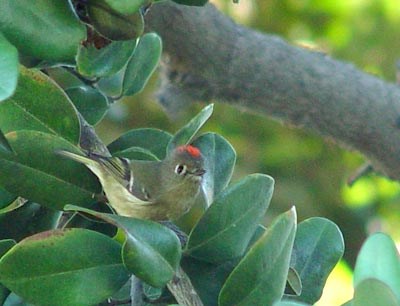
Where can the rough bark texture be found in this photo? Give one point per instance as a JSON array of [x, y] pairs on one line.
[[210, 58]]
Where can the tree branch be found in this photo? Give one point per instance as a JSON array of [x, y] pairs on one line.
[[210, 58]]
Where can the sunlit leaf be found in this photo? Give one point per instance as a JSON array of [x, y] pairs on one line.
[[379, 259], [372, 292]]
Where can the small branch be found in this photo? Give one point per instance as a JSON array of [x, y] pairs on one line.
[[183, 290], [210, 58]]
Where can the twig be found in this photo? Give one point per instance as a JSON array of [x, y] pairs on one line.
[[183, 291]]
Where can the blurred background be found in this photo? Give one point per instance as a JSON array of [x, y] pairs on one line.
[[310, 173]]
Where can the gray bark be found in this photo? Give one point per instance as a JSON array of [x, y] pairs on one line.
[[209, 58]]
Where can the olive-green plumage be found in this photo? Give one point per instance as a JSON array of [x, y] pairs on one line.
[[156, 190]]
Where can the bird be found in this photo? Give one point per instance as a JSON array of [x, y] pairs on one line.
[[153, 190]]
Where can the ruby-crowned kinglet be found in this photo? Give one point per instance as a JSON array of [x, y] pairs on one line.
[[156, 190]]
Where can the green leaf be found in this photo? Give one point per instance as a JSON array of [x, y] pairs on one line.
[[39, 104], [260, 277], [6, 198], [289, 303], [151, 251], [126, 6], [379, 259], [294, 280], [93, 62], [36, 173], [8, 68], [112, 24], [44, 29], [225, 230], [207, 278], [220, 160], [372, 292], [149, 140], [142, 64], [186, 133], [64, 267], [191, 2], [12, 206], [112, 86], [317, 249], [5, 245], [4, 145], [15, 300], [64, 78], [29, 219], [90, 102]]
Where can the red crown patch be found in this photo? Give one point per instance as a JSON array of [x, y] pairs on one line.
[[191, 150]]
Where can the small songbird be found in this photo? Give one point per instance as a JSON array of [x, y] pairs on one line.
[[155, 190]]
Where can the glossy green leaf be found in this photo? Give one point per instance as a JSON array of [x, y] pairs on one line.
[[379, 259], [289, 303], [64, 267], [225, 230], [6, 198], [112, 24], [149, 140], [191, 2], [220, 160], [4, 145], [186, 134], [372, 292], [112, 86], [151, 251], [15, 300], [44, 29], [5, 245], [260, 277], [17, 203], [207, 278], [8, 68], [317, 249], [64, 77], [39, 104], [27, 220], [126, 6], [90, 102], [36, 173], [142, 64], [294, 281], [93, 62]]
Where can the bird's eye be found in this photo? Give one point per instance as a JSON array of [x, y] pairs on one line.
[[180, 169]]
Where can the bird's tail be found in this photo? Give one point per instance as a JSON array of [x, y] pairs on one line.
[[76, 157]]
